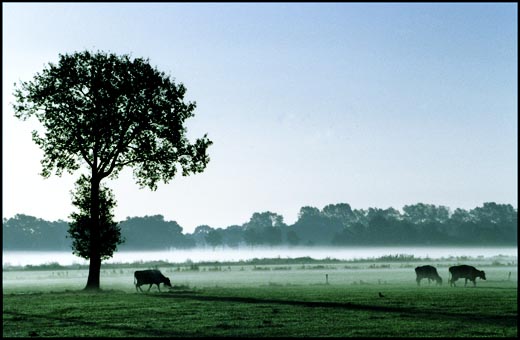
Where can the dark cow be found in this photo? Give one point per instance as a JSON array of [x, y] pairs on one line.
[[427, 272], [151, 277], [465, 272]]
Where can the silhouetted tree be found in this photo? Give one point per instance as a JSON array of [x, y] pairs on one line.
[[341, 213], [79, 227], [343, 237], [200, 233], [457, 226], [422, 213], [24, 232], [359, 233], [251, 237], [233, 236], [214, 238], [152, 232], [264, 228], [292, 238], [492, 222], [107, 112], [377, 226], [313, 227]]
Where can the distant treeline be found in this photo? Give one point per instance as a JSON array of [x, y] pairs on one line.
[[334, 225]]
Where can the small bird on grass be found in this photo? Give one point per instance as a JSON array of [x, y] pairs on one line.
[[381, 295]]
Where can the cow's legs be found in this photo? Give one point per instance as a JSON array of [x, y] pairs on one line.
[[158, 287], [466, 282], [151, 284], [418, 281]]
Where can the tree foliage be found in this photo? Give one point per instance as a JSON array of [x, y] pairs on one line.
[[24, 232], [79, 227], [108, 112], [264, 229], [214, 238], [152, 232]]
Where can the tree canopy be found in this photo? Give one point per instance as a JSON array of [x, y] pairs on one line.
[[106, 112]]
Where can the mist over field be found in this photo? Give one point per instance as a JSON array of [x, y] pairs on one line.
[[34, 258], [253, 170], [266, 297]]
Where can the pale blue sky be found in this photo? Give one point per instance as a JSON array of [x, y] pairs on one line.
[[375, 105]]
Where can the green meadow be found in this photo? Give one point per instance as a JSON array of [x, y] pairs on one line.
[[338, 299]]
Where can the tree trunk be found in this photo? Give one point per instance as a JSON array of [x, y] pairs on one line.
[[94, 270]]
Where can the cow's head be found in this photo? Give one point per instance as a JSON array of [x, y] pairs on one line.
[[439, 281], [482, 275], [167, 282]]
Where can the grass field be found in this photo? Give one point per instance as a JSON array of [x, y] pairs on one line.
[[268, 300]]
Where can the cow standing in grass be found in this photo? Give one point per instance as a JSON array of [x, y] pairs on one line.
[[151, 277], [427, 272], [465, 272]]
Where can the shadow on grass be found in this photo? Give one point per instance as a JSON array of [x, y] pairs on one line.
[[505, 321], [130, 331], [488, 287]]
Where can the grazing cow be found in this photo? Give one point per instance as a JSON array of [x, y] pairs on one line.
[[465, 272], [151, 277], [427, 272]]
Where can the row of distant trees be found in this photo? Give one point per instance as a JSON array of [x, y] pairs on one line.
[[334, 225]]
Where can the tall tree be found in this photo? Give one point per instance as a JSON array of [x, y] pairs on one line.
[[107, 112]]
